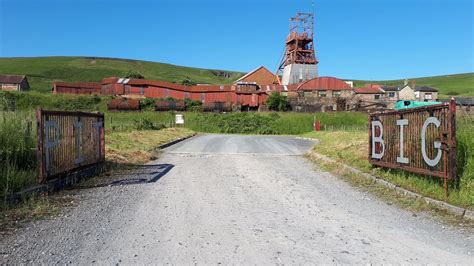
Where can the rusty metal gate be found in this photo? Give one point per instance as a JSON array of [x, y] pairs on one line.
[[68, 142], [420, 140]]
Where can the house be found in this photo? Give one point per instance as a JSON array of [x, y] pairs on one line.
[[14, 83], [370, 93], [391, 95], [325, 87], [261, 76], [322, 94], [406, 93], [426, 94]]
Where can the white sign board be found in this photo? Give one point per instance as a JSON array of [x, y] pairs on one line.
[[179, 119]]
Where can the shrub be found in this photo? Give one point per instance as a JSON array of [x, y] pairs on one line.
[[193, 105], [147, 124], [187, 82], [134, 75], [147, 104], [277, 102]]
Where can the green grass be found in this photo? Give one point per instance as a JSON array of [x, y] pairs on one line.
[[272, 123], [17, 151], [448, 85], [42, 71], [351, 147]]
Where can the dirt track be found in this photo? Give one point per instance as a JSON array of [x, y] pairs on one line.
[[235, 199]]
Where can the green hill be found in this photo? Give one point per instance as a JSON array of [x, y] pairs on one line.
[[42, 71], [448, 85]]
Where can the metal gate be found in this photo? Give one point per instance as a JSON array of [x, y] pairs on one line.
[[420, 140], [68, 142]]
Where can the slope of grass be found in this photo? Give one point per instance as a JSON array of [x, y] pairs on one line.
[[448, 85], [42, 71]]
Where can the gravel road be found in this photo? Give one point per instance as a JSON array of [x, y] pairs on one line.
[[234, 199]]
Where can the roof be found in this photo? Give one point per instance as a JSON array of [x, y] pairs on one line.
[[464, 101], [210, 88], [370, 89], [324, 83], [83, 85], [12, 79], [425, 88], [390, 88], [261, 75]]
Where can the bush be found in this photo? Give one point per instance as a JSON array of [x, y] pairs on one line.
[[33, 100], [187, 82], [244, 123], [147, 104], [134, 75], [147, 124], [193, 105], [277, 102]]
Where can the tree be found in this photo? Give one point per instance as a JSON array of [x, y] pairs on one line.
[[277, 102], [131, 74]]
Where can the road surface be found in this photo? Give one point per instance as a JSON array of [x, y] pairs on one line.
[[234, 199]]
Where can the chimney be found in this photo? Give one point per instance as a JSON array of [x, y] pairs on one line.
[[405, 82], [413, 84]]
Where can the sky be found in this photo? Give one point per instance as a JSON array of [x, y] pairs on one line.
[[354, 39]]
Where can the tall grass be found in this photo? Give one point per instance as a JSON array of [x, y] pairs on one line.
[[465, 154], [27, 101], [17, 151]]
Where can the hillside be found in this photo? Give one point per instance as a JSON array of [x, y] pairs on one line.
[[448, 85], [42, 71]]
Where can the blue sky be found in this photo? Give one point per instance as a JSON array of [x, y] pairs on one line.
[[359, 39]]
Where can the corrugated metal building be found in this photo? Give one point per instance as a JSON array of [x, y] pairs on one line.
[[252, 90]]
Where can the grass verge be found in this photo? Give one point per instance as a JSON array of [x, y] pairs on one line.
[[138, 147]]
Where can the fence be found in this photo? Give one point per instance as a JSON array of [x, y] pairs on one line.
[[420, 140], [68, 142]]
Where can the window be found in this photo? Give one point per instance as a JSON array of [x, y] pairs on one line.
[[142, 90], [336, 93], [307, 94], [428, 96], [322, 93], [284, 93], [377, 96], [391, 94]]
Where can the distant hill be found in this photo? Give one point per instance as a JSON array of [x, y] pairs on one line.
[[448, 85], [42, 71]]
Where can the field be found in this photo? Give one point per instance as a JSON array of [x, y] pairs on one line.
[[42, 71], [448, 85]]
